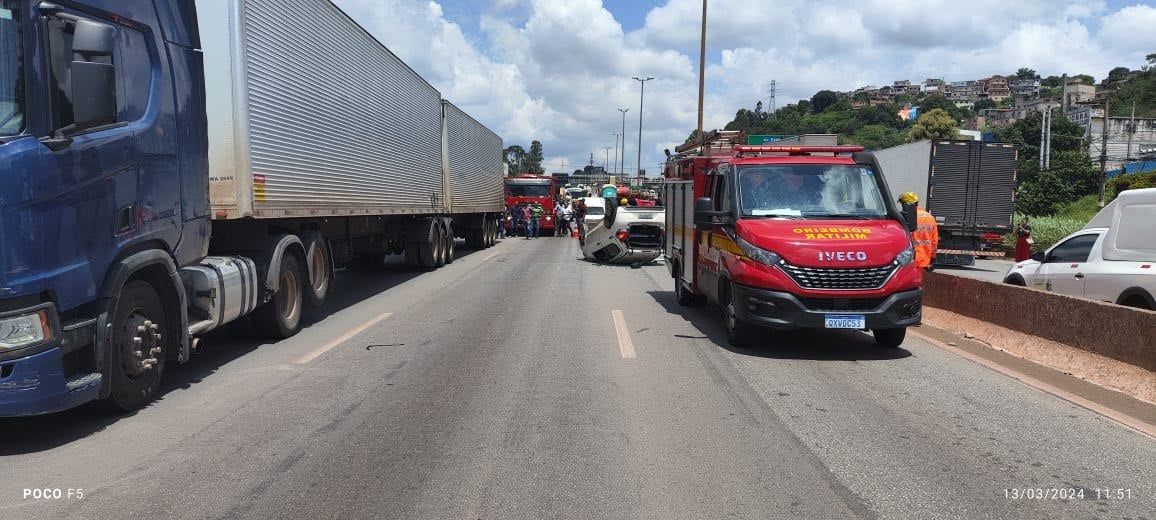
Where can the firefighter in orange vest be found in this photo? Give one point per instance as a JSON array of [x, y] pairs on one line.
[[925, 236]]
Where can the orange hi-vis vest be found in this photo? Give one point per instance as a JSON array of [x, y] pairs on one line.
[[926, 239]]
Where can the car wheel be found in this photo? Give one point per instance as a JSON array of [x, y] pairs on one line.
[[889, 338]]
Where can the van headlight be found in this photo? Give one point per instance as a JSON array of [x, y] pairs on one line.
[[24, 330], [905, 257], [757, 253]]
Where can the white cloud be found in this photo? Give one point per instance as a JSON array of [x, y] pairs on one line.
[[1129, 31], [557, 70]]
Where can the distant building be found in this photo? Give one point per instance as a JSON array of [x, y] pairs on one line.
[[967, 91], [1075, 93], [999, 117], [1127, 139], [995, 88], [1025, 87], [934, 86], [902, 87]]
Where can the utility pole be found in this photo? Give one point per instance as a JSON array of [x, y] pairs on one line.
[[1048, 148], [624, 111], [1103, 154], [772, 89], [1043, 138], [616, 136], [606, 160], [1131, 132], [641, 98]]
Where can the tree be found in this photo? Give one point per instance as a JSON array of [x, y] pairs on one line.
[[1072, 175], [936, 124], [1025, 73], [533, 164], [1051, 81], [877, 137], [1117, 74], [822, 100], [515, 158], [1151, 59], [983, 103], [1085, 79]]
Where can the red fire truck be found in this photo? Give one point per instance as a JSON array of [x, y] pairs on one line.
[[531, 189], [789, 237]]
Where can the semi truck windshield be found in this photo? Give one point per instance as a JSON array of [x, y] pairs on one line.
[[809, 190], [528, 190], [11, 66]]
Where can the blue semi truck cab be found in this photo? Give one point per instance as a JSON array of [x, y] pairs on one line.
[[103, 196], [145, 195]]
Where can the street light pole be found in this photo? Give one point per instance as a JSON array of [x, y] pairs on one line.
[[616, 136], [701, 67], [641, 97], [624, 111], [606, 160]]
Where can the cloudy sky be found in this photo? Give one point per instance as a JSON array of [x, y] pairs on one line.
[[558, 70]]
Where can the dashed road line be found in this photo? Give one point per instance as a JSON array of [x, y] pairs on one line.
[[346, 337], [625, 345]]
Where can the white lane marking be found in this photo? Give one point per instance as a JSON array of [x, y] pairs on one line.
[[346, 337], [491, 256], [625, 346]]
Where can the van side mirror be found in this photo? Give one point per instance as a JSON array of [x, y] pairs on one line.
[[705, 215]]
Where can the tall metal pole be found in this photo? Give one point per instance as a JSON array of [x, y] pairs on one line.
[[701, 69], [1103, 155], [606, 159], [624, 111], [616, 136], [641, 97]]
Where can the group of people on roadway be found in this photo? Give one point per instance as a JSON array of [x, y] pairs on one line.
[[526, 219]]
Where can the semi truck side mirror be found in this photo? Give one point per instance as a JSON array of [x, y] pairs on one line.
[[93, 83]]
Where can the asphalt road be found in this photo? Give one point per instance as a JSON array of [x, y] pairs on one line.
[[989, 269], [501, 387]]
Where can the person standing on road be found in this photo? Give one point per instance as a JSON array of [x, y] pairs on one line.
[[1024, 240], [580, 220], [558, 224], [926, 234], [567, 219], [535, 220], [525, 218]]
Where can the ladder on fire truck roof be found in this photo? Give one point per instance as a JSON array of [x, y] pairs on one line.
[[713, 142]]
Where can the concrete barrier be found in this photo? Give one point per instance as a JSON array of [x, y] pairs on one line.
[[1121, 333]]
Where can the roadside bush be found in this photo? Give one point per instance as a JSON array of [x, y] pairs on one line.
[[1046, 231], [1083, 208], [1133, 181]]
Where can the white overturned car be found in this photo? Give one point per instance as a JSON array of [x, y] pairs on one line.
[[1113, 259], [626, 235]]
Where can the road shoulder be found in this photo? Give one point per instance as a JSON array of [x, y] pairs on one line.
[[1119, 391]]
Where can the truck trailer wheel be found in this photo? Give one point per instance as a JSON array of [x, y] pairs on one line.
[[320, 279], [889, 338], [450, 246], [281, 316], [137, 346], [439, 246]]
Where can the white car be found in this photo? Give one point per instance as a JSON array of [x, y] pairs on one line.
[[625, 235], [595, 210], [1113, 259]]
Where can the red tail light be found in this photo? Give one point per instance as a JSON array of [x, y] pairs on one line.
[[622, 235]]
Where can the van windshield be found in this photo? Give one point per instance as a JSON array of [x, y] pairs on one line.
[[809, 190], [11, 68]]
